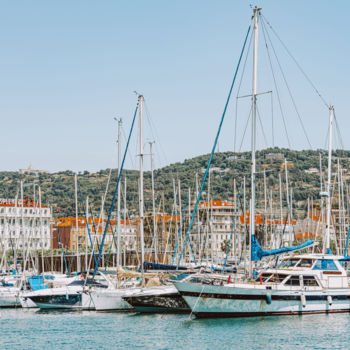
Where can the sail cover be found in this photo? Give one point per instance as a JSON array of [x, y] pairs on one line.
[[258, 253], [153, 266]]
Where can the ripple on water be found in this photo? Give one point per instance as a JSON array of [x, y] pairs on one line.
[[30, 329]]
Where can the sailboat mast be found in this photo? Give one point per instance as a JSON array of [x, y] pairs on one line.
[[155, 236], [141, 190], [255, 73], [328, 213], [41, 234], [118, 206], [76, 221], [86, 233]]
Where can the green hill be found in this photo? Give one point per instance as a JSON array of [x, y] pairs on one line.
[[58, 188]]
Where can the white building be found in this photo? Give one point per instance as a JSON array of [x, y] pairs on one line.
[[24, 225], [216, 220]]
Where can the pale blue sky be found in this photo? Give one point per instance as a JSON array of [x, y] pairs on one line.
[[68, 67]]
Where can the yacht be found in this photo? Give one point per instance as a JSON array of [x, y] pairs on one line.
[[300, 284]]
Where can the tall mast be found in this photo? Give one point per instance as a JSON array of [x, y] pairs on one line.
[[86, 233], [141, 189], [288, 201], [153, 207], [76, 221], [198, 225], [255, 73], [328, 213], [125, 226], [118, 205], [41, 234], [23, 225]]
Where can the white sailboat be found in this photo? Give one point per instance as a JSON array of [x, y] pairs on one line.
[[112, 298], [301, 284]]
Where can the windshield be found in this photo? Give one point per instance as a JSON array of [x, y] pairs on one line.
[[288, 263], [305, 263]]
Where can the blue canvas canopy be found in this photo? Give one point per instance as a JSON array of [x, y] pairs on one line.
[[258, 253]]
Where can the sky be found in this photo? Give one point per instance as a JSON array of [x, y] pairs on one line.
[[68, 68]]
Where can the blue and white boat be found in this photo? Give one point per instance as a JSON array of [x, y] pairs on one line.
[[301, 284]]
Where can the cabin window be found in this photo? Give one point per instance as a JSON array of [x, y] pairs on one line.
[[288, 263], [305, 263], [328, 265], [265, 276], [310, 281], [293, 281], [276, 278]]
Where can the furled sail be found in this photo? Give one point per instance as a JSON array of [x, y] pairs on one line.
[[258, 253]]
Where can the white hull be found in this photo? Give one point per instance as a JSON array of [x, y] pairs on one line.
[[60, 298], [158, 299], [9, 297], [221, 301], [27, 303], [112, 299]]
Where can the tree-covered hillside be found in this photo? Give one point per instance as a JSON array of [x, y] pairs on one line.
[[303, 177]]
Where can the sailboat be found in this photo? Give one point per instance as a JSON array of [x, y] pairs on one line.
[[300, 284], [112, 298]]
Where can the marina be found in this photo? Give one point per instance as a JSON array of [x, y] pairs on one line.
[[241, 248]]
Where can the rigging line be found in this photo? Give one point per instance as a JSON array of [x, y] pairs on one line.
[[87, 221], [338, 130], [262, 128], [115, 193], [233, 231], [235, 134], [159, 149], [288, 88], [239, 89], [214, 147], [244, 65], [153, 128], [129, 156], [326, 138], [275, 83], [272, 122], [245, 129], [296, 62], [60, 241]]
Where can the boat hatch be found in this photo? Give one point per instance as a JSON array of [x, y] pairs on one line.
[[328, 265]]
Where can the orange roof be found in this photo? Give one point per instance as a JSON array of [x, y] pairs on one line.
[[305, 235], [26, 203], [214, 203], [70, 221], [259, 220]]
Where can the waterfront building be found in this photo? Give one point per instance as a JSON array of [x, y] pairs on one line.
[[213, 230], [66, 233], [24, 225]]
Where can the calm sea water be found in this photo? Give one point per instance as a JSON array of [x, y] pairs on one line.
[[30, 329]]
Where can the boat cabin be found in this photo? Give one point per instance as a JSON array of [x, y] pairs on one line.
[[307, 271]]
